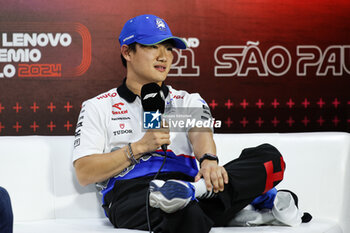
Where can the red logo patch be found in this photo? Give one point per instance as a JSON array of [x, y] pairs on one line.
[[117, 105], [178, 96]]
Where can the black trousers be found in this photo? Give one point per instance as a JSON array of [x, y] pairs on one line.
[[256, 171]]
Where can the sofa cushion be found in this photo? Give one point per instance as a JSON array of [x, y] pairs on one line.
[[103, 225], [37, 172]]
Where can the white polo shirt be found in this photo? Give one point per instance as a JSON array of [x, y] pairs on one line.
[[115, 118]]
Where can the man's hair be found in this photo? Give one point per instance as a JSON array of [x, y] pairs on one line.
[[131, 47]]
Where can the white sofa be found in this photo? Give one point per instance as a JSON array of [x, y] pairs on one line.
[[38, 174]]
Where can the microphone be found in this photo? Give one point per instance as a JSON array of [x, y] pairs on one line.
[[153, 99]]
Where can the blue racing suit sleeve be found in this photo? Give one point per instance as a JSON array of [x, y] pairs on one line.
[[265, 201]]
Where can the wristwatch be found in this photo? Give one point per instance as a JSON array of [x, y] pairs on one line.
[[209, 157]]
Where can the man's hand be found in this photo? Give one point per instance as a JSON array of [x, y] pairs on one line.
[[152, 140], [215, 176]]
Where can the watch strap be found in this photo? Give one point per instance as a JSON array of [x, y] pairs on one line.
[[209, 157]]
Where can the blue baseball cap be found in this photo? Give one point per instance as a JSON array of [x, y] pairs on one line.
[[148, 30]]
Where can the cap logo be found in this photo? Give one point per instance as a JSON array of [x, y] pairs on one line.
[[160, 24]]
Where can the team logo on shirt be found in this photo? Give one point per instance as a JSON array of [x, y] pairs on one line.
[[122, 125], [104, 96], [178, 96], [117, 106], [77, 133], [120, 118], [122, 132], [77, 142]]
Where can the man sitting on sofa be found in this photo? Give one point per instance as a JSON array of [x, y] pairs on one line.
[[112, 149]]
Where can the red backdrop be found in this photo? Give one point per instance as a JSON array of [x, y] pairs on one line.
[[262, 66]]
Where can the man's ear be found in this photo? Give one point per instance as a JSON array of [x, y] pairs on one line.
[[125, 51]]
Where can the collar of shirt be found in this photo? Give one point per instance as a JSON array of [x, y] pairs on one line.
[[129, 96]]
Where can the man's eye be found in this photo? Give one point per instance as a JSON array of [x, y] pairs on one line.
[[154, 46], [170, 49]]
